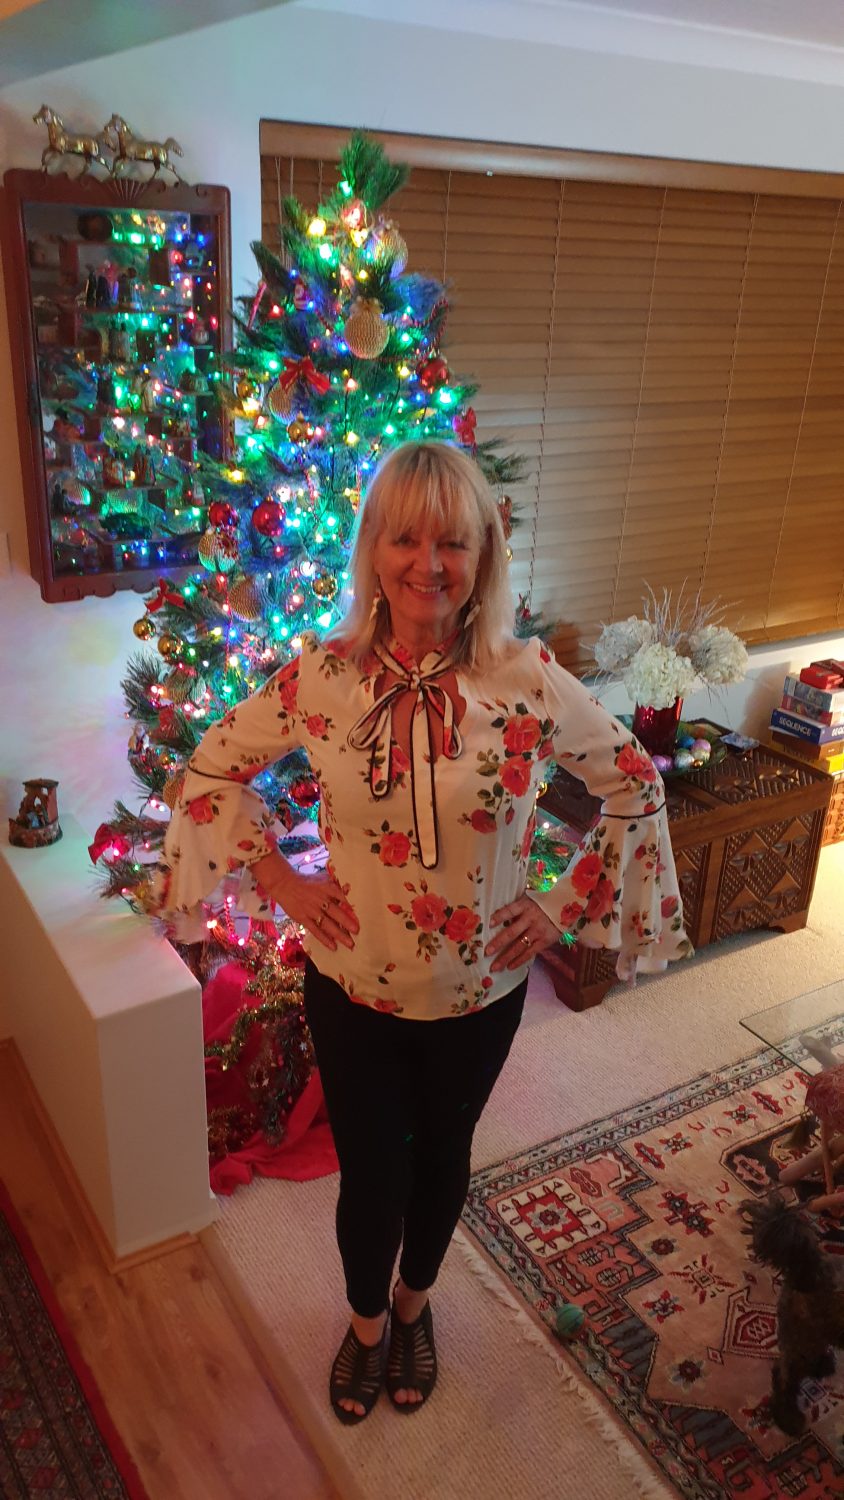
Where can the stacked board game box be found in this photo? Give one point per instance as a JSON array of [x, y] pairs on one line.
[[810, 719]]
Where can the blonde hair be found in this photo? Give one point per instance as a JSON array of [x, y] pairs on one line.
[[418, 483]]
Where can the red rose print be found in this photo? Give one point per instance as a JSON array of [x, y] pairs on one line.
[[633, 764], [316, 726], [201, 810], [544, 655], [522, 732], [669, 905], [509, 815], [482, 821], [396, 910], [394, 849], [586, 873], [385, 1005], [528, 838], [246, 844], [428, 912], [546, 750], [486, 982], [601, 900], [649, 807], [462, 924], [287, 692], [570, 913], [641, 852], [515, 776]]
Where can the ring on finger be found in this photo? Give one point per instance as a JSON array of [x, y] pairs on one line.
[[325, 905], [526, 939], [319, 921]]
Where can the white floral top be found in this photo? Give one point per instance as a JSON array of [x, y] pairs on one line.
[[424, 921]]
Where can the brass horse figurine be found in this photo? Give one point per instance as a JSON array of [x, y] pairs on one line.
[[130, 148], [60, 142]]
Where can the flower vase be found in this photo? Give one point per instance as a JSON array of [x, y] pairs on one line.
[[656, 728]]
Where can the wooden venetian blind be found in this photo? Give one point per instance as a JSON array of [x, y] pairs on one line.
[[663, 341]]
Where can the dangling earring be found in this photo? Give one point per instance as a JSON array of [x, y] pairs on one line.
[[377, 600], [472, 612]]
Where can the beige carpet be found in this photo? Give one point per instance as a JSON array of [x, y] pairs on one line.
[[510, 1417]]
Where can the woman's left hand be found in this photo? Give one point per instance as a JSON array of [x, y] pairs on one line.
[[525, 931]]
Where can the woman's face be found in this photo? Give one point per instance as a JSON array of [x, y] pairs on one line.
[[427, 574]]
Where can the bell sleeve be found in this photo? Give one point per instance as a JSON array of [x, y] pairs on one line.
[[220, 824], [620, 889]]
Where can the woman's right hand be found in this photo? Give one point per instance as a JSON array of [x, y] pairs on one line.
[[316, 901]]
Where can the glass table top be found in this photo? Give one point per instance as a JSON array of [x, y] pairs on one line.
[[807, 1030]]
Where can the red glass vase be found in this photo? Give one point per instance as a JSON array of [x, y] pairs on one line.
[[656, 728]]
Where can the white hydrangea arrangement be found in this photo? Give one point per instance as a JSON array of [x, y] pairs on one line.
[[670, 651]]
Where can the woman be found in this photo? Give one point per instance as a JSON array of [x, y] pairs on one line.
[[429, 727]]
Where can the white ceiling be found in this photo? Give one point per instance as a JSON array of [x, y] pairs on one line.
[[781, 38]]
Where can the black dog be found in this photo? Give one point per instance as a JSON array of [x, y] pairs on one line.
[[810, 1310]]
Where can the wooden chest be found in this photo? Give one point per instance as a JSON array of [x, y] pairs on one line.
[[746, 835]]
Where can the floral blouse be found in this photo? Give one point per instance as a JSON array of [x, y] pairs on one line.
[[424, 898]]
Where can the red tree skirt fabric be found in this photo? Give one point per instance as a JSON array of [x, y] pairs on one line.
[[307, 1147]]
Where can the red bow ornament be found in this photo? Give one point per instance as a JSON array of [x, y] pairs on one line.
[[106, 841], [165, 595], [306, 371], [464, 428]]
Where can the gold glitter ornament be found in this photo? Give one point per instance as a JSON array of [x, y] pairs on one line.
[[365, 331], [325, 586], [173, 788], [246, 389], [144, 628], [391, 245], [218, 551], [246, 600], [281, 400], [170, 646], [184, 685]]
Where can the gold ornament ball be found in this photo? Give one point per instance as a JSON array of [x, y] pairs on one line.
[[509, 554], [167, 759], [218, 551], [325, 586], [300, 430], [246, 600], [170, 646], [144, 628], [246, 389], [365, 331], [173, 788], [281, 400]]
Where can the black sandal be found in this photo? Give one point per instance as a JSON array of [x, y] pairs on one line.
[[412, 1361], [357, 1374]]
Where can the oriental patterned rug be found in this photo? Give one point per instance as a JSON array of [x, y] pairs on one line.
[[56, 1437], [634, 1218]]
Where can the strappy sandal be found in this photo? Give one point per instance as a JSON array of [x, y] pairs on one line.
[[357, 1374], [412, 1360]]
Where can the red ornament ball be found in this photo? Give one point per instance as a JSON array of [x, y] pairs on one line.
[[433, 374], [305, 791], [268, 518], [220, 513]]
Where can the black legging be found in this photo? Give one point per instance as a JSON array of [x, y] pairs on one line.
[[403, 1098]]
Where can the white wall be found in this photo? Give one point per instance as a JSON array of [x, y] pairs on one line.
[[61, 664]]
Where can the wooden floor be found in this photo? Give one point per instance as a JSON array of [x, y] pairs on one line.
[[181, 1380]]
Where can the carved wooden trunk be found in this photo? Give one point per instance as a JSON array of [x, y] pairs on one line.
[[833, 831], [746, 836]]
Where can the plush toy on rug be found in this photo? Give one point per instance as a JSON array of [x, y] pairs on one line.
[[810, 1310]]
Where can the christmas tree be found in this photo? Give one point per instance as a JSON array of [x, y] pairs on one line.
[[339, 358]]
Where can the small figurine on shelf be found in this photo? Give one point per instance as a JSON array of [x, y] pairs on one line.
[[126, 288], [91, 288], [37, 821], [104, 297], [105, 389], [114, 474], [118, 342], [149, 393]]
